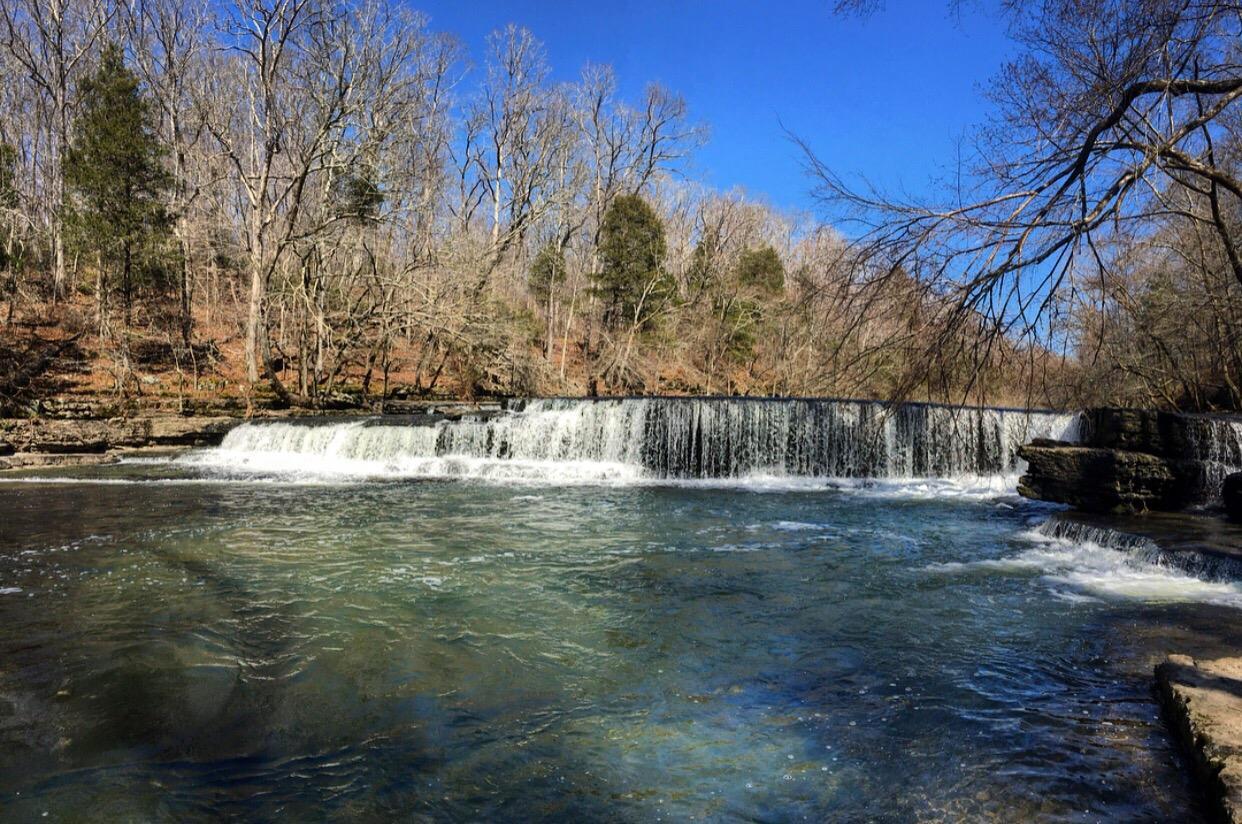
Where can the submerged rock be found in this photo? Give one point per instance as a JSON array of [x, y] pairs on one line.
[[1203, 704]]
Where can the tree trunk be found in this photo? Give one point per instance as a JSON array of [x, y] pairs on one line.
[[58, 208], [127, 283], [253, 322], [187, 323], [101, 296]]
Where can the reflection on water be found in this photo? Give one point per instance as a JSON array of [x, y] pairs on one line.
[[454, 650]]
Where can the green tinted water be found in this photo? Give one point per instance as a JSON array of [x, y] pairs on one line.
[[180, 650]]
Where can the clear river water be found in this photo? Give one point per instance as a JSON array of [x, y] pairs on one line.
[[294, 629]]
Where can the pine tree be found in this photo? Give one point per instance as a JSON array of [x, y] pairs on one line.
[[761, 269], [632, 280], [115, 174], [547, 271]]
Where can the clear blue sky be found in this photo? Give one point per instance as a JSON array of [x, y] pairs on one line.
[[889, 96]]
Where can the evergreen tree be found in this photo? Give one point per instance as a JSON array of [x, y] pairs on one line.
[[357, 195], [115, 174], [632, 280], [547, 271], [701, 274], [761, 269]]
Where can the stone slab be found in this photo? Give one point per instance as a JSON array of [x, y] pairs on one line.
[[1202, 701]]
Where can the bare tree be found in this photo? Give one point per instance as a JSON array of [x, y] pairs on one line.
[[51, 40], [277, 103], [169, 40], [1111, 110]]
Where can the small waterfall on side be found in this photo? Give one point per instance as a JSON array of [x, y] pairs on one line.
[[662, 438], [1216, 443], [1205, 565]]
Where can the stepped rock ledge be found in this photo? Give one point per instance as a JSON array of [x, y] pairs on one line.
[[1203, 705], [1151, 464], [1135, 460], [34, 442]]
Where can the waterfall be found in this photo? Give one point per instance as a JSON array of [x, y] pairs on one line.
[[1216, 445], [660, 438]]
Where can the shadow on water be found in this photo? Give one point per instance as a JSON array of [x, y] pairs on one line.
[[192, 685]]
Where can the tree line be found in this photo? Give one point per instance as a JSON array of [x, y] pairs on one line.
[[304, 201]]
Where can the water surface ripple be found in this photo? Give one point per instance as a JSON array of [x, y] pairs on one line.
[[486, 651]]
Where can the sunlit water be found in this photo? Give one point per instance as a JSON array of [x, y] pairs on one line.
[[262, 648]]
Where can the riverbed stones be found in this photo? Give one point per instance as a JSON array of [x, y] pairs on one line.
[[1203, 704], [1095, 479]]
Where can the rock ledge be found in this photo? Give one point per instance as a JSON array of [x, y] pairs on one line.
[[32, 442], [1203, 705], [1136, 460]]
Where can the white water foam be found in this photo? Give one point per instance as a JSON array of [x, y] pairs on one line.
[[278, 469], [447, 467], [683, 438], [1078, 569], [957, 488], [967, 487]]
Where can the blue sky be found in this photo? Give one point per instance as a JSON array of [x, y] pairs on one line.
[[890, 96]]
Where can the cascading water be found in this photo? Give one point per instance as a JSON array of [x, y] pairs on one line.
[[660, 438], [1216, 444], [1143, 550]]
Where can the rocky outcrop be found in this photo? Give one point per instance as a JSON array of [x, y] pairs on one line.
[[1138, 430], [1203, 705], [50, 442], [1135, 460], [49, 460], [46, 442], [1231, 496], [1101, 480]]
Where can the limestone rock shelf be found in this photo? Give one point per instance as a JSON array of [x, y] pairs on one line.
[[93, 436], [1132, 461], [1203, 704], [27, 443], [39, 442], [1101, 480]]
